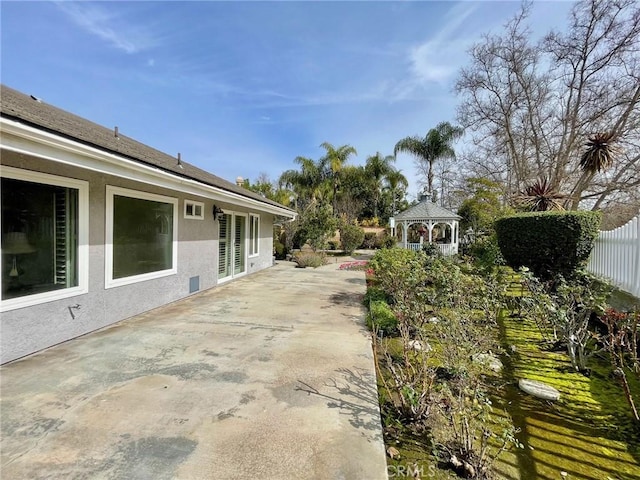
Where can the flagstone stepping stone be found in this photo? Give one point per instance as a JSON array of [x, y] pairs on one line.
[[539, 389], [420, 346], [489, 360]]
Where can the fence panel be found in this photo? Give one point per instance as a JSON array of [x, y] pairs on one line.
[[616, 256]]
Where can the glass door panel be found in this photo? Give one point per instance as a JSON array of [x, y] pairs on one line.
[[239, 244], [224, 246]]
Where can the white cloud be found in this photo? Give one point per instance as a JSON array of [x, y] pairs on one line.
[[437, 59], [99, 22]]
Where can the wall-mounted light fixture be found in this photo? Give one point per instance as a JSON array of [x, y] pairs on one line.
[[217, 212]]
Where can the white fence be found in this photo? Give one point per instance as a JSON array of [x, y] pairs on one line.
[[616, 256]]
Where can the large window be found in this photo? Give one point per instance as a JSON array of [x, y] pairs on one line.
[[254, 235], [44, 237], [141, 236]]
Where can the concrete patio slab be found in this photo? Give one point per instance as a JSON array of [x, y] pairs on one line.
[[268, 377]]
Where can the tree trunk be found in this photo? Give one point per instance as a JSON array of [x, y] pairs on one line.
[[618, 372], [430, 179], [571, 350]]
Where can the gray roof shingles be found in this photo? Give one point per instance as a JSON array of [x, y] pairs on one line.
[[26, 109], [424, 210]]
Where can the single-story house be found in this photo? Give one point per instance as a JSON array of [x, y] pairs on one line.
[[97, 227]]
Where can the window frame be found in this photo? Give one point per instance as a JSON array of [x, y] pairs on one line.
[[194, 204], [109, 281], [83, 238], [256, 230]]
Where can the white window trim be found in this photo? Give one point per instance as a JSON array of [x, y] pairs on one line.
[[83, 238], [257, 233], [194, 204], [109, 281]]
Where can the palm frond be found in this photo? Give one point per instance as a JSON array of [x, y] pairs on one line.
[[540, 196], [600, 153]]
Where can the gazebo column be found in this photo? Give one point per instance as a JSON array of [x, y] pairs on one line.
[[454, 237], [405, 227]]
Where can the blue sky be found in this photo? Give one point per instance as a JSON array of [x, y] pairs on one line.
[[240, 88]]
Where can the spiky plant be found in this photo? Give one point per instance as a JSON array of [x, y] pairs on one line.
[[599, 154], [540, 196]]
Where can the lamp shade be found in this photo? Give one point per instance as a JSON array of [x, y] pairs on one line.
[[16, 243]]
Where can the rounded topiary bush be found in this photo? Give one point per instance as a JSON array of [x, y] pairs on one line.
[[351, 237], [548, 243]]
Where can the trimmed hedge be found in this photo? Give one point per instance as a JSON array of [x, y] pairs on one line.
[[548, 243]]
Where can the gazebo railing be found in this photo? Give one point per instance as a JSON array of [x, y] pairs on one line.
[[446, 249]]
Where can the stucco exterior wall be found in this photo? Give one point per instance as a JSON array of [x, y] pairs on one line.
[[27, 330]]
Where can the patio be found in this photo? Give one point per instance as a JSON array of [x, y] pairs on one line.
[[270, 376]]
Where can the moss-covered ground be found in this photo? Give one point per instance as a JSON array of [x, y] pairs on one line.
[[588, 434]]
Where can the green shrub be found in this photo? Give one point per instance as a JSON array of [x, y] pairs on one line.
[[381, 318], [332, 244], [280, 249], [431, 250], [549, 243], [369, 241], [398, 271], [317, 226], [351, 237], [486, 253], [373, 294], [299, 237], [385, 241], [310, 259]]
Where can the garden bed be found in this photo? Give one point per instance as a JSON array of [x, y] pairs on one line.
[[589, 433]]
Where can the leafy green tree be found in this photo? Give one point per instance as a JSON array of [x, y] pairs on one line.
[[308, 184], [268, 189], [316, 226], [335, 159], [396, 184], [354, 194], [377, 168], [483, 207], [436, 145]]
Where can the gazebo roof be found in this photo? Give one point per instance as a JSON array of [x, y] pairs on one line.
[[426, 210]]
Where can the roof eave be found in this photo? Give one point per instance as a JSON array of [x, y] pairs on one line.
[[22, 138]]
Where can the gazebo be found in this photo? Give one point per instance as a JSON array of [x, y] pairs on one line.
[[435, 224]]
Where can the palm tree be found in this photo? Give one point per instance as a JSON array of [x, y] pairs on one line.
[[336, 158], [394, 180], [598, 157], [540, 196], [308, 183], [599, 154], [377, 168], [436, 145]]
